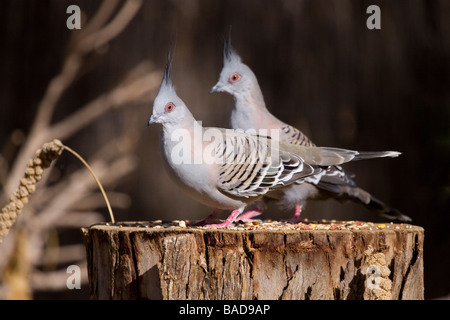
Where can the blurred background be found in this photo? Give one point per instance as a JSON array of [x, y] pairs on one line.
[[320, 69]]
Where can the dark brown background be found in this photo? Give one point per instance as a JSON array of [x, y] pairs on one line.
[[320, 70]]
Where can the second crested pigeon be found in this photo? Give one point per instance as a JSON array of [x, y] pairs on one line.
[[235, 169], [250, 112]]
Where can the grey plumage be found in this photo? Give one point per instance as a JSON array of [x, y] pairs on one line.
[[250, 112], [236, 168]]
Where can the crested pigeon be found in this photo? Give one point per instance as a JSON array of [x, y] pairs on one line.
[[227, 169], [250, 112]]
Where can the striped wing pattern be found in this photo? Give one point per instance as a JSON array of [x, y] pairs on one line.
[[292, 135], [250, 166], [330, 179]]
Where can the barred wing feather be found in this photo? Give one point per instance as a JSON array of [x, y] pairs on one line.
[[249, 166]]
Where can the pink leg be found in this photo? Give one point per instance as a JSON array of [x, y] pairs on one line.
[[247, 216], [298, 211], [211, 218], [229, 220], [296, 218]]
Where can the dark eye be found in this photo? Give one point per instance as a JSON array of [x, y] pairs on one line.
[[235, 77], [169, 107]]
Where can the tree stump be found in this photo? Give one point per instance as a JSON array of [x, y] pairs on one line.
[[327, 260]]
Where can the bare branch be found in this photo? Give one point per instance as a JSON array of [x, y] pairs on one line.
[[81, 184], [101, 17], [56, 206], [113, 29], [40, 130], [118, 97]]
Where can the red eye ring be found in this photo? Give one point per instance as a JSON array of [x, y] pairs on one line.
[[235, 77], [169, 107]]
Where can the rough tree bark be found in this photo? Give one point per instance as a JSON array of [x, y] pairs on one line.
[[141, 262]]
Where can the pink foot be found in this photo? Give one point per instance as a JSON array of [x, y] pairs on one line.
[[227, 222], [247, 216], [296, 218]]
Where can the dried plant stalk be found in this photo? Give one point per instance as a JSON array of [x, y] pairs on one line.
[[382, 291], [33, 174], [96, 180]]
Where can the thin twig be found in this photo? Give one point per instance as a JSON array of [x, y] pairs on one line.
[[96, 180], [98, 35]]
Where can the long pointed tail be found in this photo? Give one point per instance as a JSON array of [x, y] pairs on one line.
[[386, 211], [335, 156], [343, 187], [361, 196], [362, 155]]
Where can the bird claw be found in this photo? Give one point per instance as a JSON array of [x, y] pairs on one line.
[[247, 216], [228, 222]]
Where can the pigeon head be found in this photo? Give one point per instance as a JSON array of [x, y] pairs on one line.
[[236, 78], [168, 108]]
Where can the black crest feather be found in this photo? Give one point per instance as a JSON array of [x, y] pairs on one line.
[[227, 48], [167, 79], [229, 54]]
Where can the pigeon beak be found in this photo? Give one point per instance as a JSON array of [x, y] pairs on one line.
[[153, 119], [216, 88]]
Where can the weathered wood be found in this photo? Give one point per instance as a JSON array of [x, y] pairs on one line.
[[138, 262]]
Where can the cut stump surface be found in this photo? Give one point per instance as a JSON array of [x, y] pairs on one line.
[[327, 260]]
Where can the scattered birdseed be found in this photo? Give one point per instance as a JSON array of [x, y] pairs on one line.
[[271, 225], [322, 225]]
